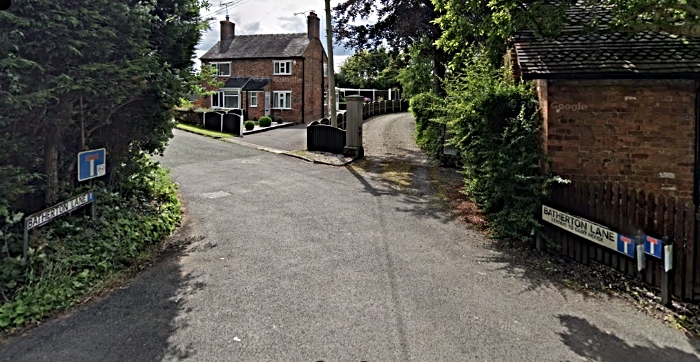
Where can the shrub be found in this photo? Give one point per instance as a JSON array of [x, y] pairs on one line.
[[497, 130], [278, 119], [188, 117], [429, 111], [265, 121], [74, 254], [249, 125]]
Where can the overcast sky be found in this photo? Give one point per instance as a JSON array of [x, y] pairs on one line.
[[267, 17]]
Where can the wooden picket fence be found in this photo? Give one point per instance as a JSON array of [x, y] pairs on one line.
[[371, 109], [629, 211]]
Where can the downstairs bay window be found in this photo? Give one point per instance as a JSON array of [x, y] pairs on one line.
[[226, 98]]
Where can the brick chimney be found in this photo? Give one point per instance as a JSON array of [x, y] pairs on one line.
[[313, 26], [227, 30]]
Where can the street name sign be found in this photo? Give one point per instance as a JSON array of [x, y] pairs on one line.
[[589, 230], [45, 216]]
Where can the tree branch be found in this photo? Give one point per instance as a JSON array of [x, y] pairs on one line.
[[109, 116]]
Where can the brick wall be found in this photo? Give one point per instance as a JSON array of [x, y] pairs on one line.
[[638, 133]]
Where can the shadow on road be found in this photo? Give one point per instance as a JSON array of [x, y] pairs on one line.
[[412, 183], [592, 343], [133, 324]]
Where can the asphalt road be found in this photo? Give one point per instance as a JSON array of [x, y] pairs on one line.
[[292, 261]]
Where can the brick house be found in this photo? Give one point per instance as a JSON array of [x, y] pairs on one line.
[[617, 108], [270, 74]]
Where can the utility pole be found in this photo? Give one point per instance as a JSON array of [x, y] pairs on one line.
[[331, 68]]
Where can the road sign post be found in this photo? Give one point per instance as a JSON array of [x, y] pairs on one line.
[[92, 164], [667, 276]]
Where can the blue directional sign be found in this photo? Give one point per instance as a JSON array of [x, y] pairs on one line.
[[92, 164], [653, 247], [626, 245]]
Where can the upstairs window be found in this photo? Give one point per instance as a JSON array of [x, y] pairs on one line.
[[283, 67], [222, 69], [325, 69]]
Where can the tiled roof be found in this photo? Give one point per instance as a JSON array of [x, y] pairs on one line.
[[236, 82], [247, 83], [256, 84], [259, 46], [581, 52]]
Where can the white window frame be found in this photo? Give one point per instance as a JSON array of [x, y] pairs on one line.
[[254, 99], [325, 69], [220, 98], [218, 70], [276, 98], [277, 66]]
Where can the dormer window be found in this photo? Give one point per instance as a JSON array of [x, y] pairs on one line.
[[283, 67], [222, 69]]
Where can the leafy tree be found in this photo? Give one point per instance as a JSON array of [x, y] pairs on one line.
[[81, 74], [415, 76], [369, 69], [680, 17], [400, 23], [476, 28], [203, 83]]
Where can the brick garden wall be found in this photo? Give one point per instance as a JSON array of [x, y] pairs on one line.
[[637, 133]]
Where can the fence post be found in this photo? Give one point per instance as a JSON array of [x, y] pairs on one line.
[[353, 127]]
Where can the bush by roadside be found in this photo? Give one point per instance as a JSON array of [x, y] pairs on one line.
[[74, 254], [429, 111], [497, 131]]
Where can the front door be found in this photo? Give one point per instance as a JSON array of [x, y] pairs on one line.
[[267, 103]]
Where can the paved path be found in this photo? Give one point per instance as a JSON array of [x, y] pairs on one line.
[[291, 261]]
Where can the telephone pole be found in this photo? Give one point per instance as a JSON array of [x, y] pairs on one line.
[[331, 69]]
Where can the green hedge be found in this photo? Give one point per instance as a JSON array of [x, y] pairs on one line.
[[75, 253], [497, 131], [188, 117], [429, 111]]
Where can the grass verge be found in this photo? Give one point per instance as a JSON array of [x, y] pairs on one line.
[[202, 131]]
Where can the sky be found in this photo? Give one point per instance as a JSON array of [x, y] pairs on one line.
[[267, 17]]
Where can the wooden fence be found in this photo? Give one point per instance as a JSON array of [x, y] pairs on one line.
[[629, 211], [324, 137], [371, 109]]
